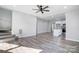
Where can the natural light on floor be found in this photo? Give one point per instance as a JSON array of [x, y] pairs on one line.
[[17, 49]]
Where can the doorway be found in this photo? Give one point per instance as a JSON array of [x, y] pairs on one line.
[[59, 25]]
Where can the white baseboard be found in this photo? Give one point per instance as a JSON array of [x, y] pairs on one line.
[[72, 39], [20, 36]]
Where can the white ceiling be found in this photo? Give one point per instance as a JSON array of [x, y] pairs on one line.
[[54, 10]]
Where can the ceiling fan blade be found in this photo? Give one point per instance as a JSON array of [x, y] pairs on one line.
[[38, 6], [37, 11], [45, 7], [34, 9], [47, 10]]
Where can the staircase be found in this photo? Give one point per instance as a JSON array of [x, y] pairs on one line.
[[5, 37]]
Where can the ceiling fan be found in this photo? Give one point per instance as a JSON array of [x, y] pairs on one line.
[[41, 9]]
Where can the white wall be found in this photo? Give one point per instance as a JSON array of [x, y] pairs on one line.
[[5, 19], [42, 26], [72, 25], [25, 22], [50, 27]]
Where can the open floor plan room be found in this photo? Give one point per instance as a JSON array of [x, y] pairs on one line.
[[39, 29]]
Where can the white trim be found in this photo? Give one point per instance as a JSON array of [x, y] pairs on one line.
[[72, 39]]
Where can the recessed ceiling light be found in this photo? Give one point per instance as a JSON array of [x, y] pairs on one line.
[[65, 7]]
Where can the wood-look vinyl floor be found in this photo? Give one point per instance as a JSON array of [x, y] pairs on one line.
[[49, 44]]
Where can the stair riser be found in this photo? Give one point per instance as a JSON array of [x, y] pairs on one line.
[[3, 37], [5, 34], [6, 40]]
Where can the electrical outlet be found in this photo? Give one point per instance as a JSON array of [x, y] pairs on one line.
[[20, 31]]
